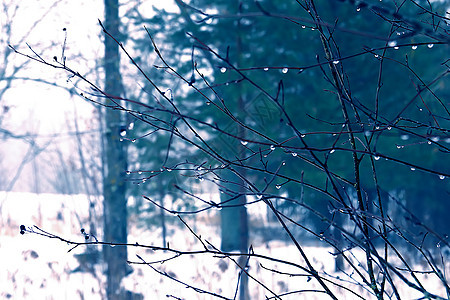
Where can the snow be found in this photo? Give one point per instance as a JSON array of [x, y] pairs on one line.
[[35, 267]]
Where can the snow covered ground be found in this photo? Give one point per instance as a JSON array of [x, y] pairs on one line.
[[34, 267]]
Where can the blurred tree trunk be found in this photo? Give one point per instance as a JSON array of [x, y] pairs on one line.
[[234, 220], [114, 188]]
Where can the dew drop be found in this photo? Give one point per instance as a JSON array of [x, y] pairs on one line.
[[223, 70], [430, 46], [266, 69], [400, 146], [208, 102], [435, 139], [396, 48], [244, 143], [121, 140], [144, 180], [303, 135], [294, 154], [169, 170], [376, 157], [303, 26], [123, 132], [441, 177], [278, 186], [139, 172], [283, 163], [413, 169], [414, 47], [133, 140], [376, 55], [336, 62], [128, 172], [389, 128], [200, 178], [429, 142], [259, 196], [358, 9], [284, 70], [392, 43], [332, 151], [272, 147], [404, 137]]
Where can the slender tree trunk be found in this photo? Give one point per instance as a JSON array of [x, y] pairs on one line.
[[114, 188], [234, 220]]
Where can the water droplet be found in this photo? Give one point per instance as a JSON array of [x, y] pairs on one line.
[[284, 70], [389, 128], [128, 172], [200, 178], [131, 126], [441, 177], [336, 62], [272, 147], [376, 157], [208, 102], [139, 172], [414, 47], [376, 55], [294, 154], [300, 70], [400, 146], [430, 46], [223, 70], [392, 43], [244, 143], [429, 142], [303, 26], [144, 180], [404, 137], [358, 9], [169, 169], [302, 135], [396, 48], [112, 246], [278, 186], [413, 169], [332, 151], [266, 69], [133, 140], [121, 140], [283, 163], [259, 196], [377, 127], [435, 139], [123, 132]]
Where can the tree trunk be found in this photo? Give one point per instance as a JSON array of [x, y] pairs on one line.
[[234, 220], [114, 188]]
